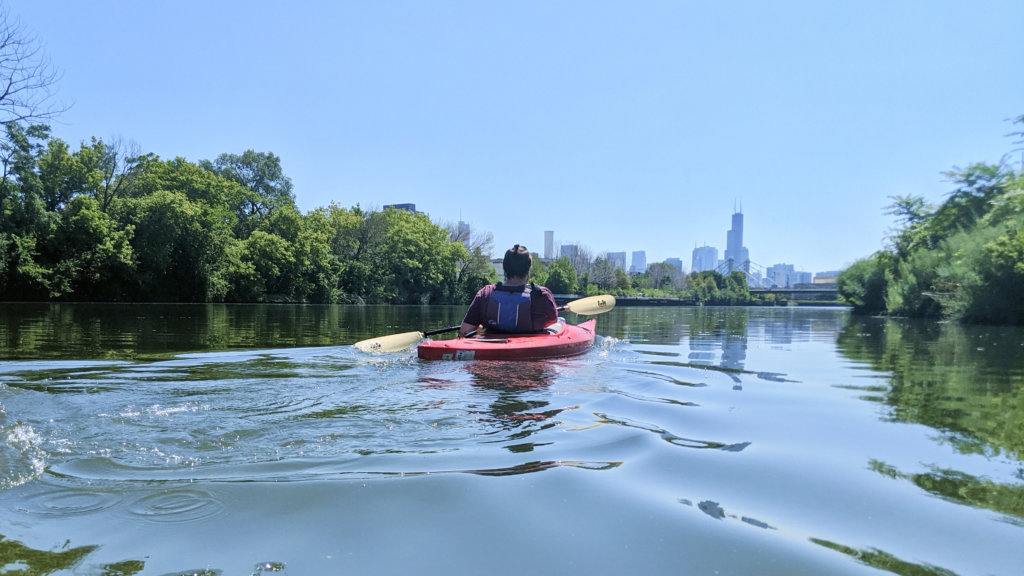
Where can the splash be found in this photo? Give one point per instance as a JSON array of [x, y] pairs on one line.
[[20, 447]]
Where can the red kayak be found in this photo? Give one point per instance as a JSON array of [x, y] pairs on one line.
[[560, 340]]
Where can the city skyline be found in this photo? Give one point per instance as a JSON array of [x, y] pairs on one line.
[[702, 257]]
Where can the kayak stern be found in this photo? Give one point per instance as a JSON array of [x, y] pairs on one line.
[[571, 340]]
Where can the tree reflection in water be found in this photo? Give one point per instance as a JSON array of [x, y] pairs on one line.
[[17, 558]]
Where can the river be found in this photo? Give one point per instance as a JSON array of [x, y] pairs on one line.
[[217, 439]]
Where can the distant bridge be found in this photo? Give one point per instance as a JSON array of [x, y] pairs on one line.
[[756, 273], [822, 292]]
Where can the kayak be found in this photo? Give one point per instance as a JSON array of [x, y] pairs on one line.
[[558, 341]]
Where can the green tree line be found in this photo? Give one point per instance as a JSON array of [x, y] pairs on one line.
[[103, 224], [962, 259]]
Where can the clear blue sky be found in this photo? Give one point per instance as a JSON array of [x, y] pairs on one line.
[[621, 126]]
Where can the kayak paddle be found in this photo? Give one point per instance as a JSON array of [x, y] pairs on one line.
[[396, 342], [585, 306], [591, 305]]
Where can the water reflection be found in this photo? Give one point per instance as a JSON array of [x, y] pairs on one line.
[[885, 561], [672, 438], [721, 337], [715, 510], [514, 407], [964, 382], [781, 479], [967, 382], [17, 558], [531, 467], [128, 331], [963, 488]]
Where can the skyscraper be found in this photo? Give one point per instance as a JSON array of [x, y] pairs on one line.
[[704, 258], [781, 275], [549, 244], [736, 255], [617, 260], [639, 263], [464, 232]]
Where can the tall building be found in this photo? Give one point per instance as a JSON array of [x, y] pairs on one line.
[[617, 260], [781, 275], [736, 255], [639, 262], [549, 244], [704, 258], [464, 232], [676, 263]]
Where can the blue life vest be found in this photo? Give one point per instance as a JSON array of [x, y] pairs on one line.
[[510, 311]]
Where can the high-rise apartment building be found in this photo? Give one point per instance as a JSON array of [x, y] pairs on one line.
[[639, 262], [781, 275], [617, 260], [704, 258]]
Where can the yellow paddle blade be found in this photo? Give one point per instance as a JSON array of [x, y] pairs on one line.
[[392, 343], [592, 304]]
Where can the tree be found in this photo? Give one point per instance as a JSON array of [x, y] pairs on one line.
[[581, 259], [181, 247], [662, 275], [197, 184], [62, 176], [20, 186], [94, 257], [538, 271], [602, 275], [863, 284], [977, 186], [26, 77], [420, 259], [360, 240], [25, 225], [562, 277], [320, 267], [737, 291], [474, 270], [113, 169], [273, 259], [265, 184], [622, 281]]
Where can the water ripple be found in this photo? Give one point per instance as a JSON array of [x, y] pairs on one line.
[[68, 502], [672, 438], [176, 506]]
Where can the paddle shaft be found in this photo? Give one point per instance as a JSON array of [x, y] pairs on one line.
[[441, 330]]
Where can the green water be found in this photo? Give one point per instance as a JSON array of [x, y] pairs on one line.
[[214, 439]]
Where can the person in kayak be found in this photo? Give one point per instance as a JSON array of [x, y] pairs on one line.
[[515, 305]]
